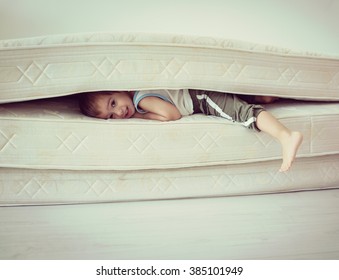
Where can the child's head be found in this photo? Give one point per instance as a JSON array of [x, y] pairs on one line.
[[107, 104]]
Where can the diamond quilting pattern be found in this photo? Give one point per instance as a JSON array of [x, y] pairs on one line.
[[32, 188], [107, 67], [33, 72], [162, 184], [206, 141], [72, 142], [6, 141], [287, 74], [234, 69], [196, 140], [161, 65], [264, 140], [141, 143], [100, 187], [329, 173], [222, 181], [173, 66]]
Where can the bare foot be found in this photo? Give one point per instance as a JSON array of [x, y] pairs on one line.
[[290, 146]]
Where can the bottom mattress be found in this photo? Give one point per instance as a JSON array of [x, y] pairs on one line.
[[39, 187]]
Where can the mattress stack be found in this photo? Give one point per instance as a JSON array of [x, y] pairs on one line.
[[50, 153]]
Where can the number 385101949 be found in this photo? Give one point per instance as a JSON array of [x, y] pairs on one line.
[[216, 270]]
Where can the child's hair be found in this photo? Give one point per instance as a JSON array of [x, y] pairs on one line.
[[87, 102]]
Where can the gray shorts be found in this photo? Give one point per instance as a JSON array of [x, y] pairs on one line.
[[226, 105]]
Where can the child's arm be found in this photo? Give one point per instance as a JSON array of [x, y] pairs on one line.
[[157, 109]]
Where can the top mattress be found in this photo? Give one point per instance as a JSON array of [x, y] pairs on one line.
[[281, 48]]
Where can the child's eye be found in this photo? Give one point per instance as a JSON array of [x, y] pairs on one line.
[[113, 104]]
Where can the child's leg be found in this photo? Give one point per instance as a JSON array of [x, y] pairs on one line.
[[253, 116], [226, 105], [289, 140]]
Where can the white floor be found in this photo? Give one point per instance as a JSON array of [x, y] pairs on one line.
[[302, 225]]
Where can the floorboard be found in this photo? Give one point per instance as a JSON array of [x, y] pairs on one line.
[[301, 225]]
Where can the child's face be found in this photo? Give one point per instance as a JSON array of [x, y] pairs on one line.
[[117, 105]]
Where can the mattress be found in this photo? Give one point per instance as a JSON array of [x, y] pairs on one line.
[[44, 187], [234, 47], [53, 134], [61, 65], [50, 153]]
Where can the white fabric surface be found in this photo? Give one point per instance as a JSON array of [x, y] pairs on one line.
[[282, 48]]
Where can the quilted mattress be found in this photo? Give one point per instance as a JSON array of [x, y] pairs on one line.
[[50, 153], [53, 49], [52, 134], [61, 65]]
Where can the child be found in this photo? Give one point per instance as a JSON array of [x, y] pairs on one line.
[[170, 105]]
